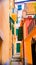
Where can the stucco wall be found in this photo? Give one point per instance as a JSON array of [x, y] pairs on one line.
[[4, 27]]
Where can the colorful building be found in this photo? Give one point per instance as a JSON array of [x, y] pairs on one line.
[[28, 43], [15, 38], [23, 35], [29, 32], [5, 33]]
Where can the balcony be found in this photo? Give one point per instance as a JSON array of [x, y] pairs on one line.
[[32, 25]]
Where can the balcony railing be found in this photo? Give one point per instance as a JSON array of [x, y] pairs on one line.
[[32, 24]]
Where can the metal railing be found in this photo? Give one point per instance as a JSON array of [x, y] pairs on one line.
[[31, 26]]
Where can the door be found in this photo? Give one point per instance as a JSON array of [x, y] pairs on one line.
[[34, 52], [0, 50]]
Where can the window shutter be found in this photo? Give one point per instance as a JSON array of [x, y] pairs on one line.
[[18, 47], [20, 33]]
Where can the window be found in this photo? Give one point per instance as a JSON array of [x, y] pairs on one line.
[[12, 29], [19, 7], [17, 21], [11, 21], [20, 34], [12, 10], [18, 47], [35, 16], [17, 32]]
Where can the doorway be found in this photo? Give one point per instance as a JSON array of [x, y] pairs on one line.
[[34, 51], [0, 50]]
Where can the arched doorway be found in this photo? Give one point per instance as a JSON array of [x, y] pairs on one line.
[[34, 51]]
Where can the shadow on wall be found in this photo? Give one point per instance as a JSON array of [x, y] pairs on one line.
[[1, 50]]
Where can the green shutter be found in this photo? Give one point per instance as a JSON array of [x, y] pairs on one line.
[[12, 29], [17, 32], [35, 16], [20, 33], [11, 20], [18, 47]]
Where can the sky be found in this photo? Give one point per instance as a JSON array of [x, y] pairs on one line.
[[19, 0], [23, 0]]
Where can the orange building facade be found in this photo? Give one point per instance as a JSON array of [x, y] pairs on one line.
[[29, 32], [5, 33]]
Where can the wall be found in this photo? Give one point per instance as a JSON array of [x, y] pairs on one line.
[[4, 28], [5, 22], [31, 10], [10, 45], [27, 46]]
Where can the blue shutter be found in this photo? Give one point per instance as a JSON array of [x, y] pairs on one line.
[[19, 7]]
